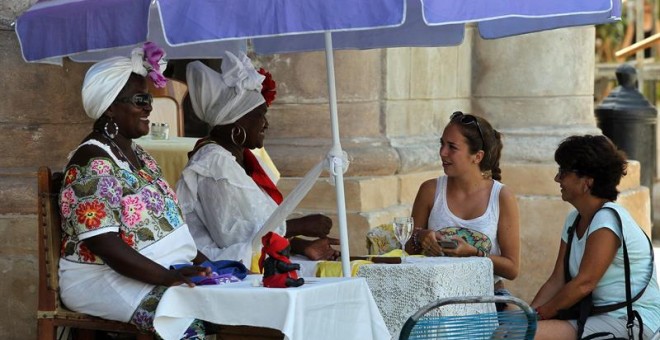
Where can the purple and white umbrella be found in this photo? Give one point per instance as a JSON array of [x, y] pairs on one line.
[[88, 30], [205, 28]]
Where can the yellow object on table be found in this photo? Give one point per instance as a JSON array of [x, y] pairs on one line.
[[172, 155], [333, 268]]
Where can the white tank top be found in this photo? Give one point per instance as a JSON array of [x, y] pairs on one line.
[[442, 217]]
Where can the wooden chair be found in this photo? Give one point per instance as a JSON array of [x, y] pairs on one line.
[[166, 110], [168, 105], [430, 323], [51, 313], [381, 239]]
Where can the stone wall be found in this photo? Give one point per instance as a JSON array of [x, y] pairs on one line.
[[41, 120]]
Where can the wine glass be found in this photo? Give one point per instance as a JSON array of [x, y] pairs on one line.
[[403, 227]]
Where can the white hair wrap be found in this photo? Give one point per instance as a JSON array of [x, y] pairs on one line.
[[220, 99], [105, 79]]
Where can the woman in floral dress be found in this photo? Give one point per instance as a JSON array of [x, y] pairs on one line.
[[121, 222]]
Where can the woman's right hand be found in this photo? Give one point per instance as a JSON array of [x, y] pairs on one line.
[[314, 225], [129, 262]]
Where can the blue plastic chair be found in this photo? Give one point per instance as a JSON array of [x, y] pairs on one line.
[[429, 323]]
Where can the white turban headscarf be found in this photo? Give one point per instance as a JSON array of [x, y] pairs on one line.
[[220, 99], [105, 79]]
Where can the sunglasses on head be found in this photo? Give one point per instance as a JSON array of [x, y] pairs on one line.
[[467, 120], [140, 99]]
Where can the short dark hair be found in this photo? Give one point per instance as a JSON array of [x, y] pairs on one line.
[[596, 157]]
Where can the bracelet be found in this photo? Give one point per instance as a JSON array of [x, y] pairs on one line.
[[417, 248]]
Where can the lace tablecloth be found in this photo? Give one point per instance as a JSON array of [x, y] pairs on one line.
[[401, 289], [322, 308]]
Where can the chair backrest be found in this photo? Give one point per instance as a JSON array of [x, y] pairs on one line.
[[49, 235], [430, 323], [168, 105], [166, 110], [381, 240]]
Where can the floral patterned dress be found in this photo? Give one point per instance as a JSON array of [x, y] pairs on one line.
[[106, 195]]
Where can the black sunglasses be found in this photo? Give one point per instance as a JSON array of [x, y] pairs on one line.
[[467, 120], [140, 99]]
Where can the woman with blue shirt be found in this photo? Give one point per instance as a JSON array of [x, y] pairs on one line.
[[590, 168]]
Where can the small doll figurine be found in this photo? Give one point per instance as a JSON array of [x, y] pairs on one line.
[[278, 270]]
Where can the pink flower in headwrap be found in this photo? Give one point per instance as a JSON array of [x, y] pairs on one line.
[[153, 54], [158, 79], [152, 57]]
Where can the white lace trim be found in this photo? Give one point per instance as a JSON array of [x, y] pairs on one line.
[[122, 164]]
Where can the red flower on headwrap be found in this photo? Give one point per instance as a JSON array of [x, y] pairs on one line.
[[267, 86]]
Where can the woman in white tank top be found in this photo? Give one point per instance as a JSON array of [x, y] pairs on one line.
[[469, 204]]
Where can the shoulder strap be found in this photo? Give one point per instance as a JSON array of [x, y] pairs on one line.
[[632, 315], [569, 241]]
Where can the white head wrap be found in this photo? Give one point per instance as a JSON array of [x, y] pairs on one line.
[[220, 99], [105, 79]]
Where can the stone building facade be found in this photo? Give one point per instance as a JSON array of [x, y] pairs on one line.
[[393, 104]]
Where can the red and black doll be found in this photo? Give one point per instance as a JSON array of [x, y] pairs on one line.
[[278, 270]]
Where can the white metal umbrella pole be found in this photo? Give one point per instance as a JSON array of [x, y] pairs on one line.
[[336, 156]]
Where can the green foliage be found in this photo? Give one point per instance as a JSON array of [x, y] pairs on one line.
[[613, 32]]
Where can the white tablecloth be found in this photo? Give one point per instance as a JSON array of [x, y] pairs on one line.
[[323, 308], [401, 289]]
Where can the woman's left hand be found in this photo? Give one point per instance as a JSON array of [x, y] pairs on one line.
[[463, 249], [544, 313]]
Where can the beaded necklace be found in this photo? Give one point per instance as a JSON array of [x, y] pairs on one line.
[[121, 153]]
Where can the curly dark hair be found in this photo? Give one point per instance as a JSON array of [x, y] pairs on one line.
[[596, 157], [491, 143]]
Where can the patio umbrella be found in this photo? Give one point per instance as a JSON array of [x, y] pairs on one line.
[[54, 29]]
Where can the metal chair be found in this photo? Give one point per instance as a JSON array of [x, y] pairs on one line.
[[656, 335], [51, 313], [430, 323]]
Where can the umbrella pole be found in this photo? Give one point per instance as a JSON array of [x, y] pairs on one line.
[[336, 156]]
